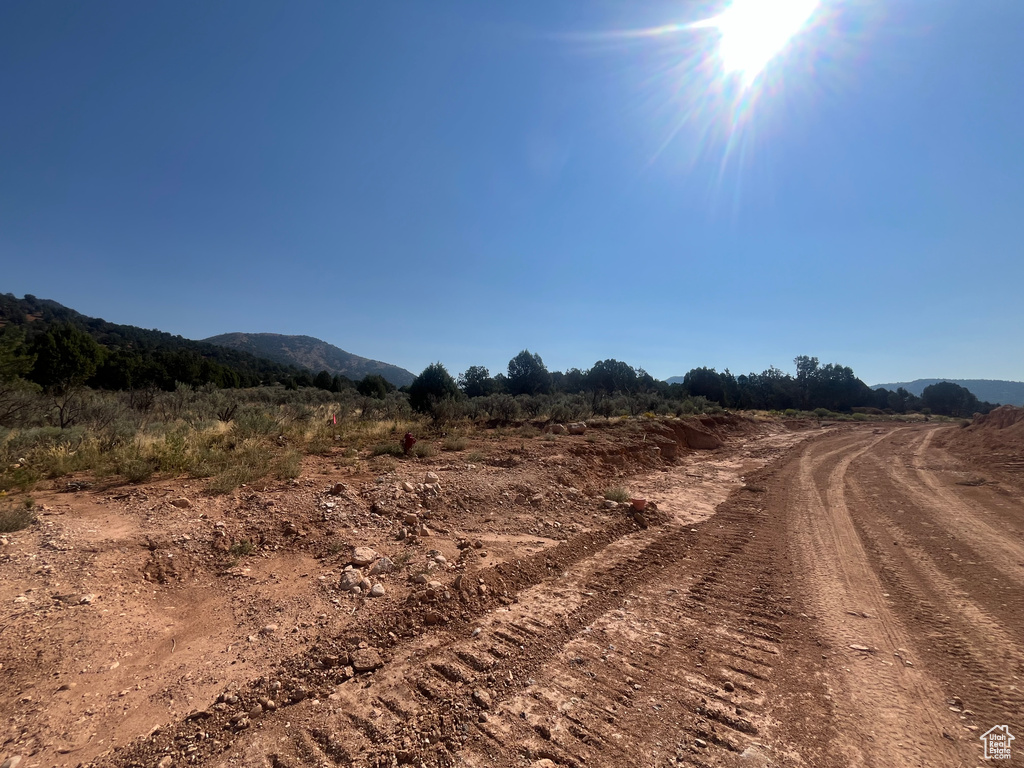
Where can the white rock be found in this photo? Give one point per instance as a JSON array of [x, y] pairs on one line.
[[362, 556], [350, 579], [431, 478], [408, 487], [377, 590], [384, 565]]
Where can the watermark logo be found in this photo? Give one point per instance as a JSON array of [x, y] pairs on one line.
[[997, 742]]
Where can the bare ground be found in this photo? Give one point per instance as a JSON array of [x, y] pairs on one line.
[[838, 596]]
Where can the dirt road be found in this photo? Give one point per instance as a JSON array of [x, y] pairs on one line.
[[847, 596]]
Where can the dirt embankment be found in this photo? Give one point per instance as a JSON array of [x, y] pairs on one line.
[[993, 441], [128, 609]]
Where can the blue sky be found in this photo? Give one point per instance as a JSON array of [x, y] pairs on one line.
[[457, 181]]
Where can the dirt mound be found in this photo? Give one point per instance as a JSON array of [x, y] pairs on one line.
[[1003, 417], [994, 441]]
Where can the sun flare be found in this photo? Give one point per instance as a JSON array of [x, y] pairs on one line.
[[753, 32]]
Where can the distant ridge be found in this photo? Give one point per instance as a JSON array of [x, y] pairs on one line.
[[990, 390], [313, 354]]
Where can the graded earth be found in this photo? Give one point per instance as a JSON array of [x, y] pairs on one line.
[[791, 594]]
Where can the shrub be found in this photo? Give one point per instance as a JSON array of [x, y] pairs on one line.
[[255, 423], [288, 465], [617, 494], [241, 548], [15, 518], [860, 417], [132, 465], [388, 449], [453, 443], [423, 451]]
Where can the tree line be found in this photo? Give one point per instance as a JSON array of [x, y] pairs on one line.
[[830, 387], [60, 357]]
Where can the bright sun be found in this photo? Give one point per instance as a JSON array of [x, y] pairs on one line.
[[754, 31]]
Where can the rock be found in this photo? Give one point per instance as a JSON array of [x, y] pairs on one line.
[[408, 487], [422, 530], [609, 504], [419, 578], [384, 565], [269, 629], [181, 503], [640, 520], [477, 544], [410, 519], [431, 478], [482, 698], [729, 687], [434, 585], [377, 590], [861, 648], [290, 529], [11, 762], [700, 743], [338, 489], [256, 711], [537, 499], [350, 579], [557, 429], [365, 585], [165, 762], [366, 660], [543, 763], [578, 428], [362, 556], [432, 618]]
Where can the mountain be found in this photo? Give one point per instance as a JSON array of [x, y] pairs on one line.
[[139, 357], [310, 353], [990, 390], [674, 379]]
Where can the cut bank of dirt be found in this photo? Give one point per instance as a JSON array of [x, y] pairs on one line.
[[792, 600]]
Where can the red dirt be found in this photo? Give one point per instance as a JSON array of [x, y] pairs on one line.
[[722, 626]]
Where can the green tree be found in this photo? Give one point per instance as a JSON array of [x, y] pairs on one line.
[[323, 380], [65, 358], [15, 362], [527, 375], [375, 386], [15, 359], [476, 381], [949, 399], [705, 382], [432, 386], [611, 376]]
